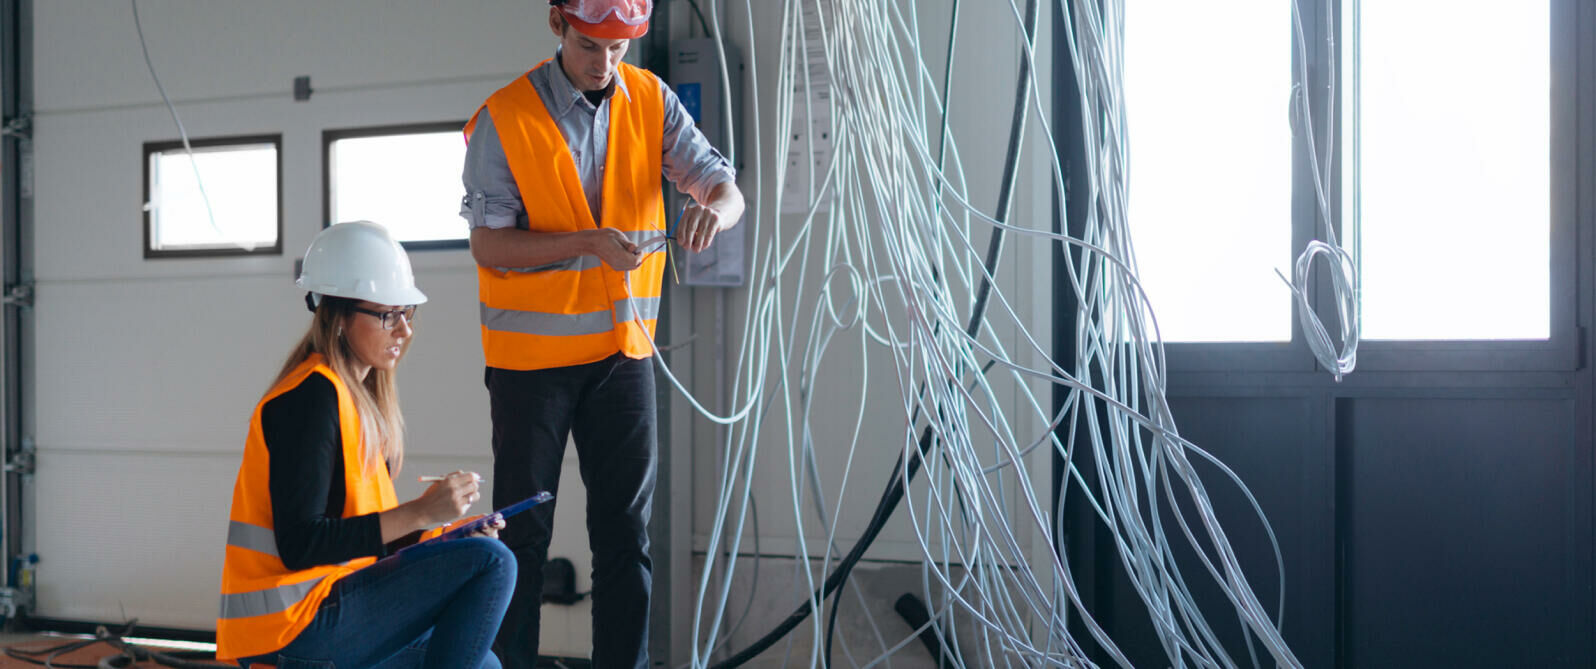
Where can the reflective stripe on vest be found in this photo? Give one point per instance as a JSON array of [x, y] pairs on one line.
[[577, 310], [263, 603], [566, 325], [254, 537]]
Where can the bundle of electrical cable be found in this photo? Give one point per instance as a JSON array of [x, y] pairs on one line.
[[891, 265]]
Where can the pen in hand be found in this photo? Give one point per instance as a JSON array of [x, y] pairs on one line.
[[430, 479]]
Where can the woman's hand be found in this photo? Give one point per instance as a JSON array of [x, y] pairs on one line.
[[444, 501], [448, 499], [491, 530]]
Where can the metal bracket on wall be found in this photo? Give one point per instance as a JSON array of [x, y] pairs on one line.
[[13, 600], [21, 462], [19, 126], [18, 294]]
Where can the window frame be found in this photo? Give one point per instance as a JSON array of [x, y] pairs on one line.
[[152, 148], [1291, 355], [1561, 351], [330, 135]]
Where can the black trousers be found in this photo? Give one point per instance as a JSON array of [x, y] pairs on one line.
[[608, 406]]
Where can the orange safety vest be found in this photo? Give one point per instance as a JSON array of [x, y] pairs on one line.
[[264, 603], [577, 311]]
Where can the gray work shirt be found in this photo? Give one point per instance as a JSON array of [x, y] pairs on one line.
[[492, 199]]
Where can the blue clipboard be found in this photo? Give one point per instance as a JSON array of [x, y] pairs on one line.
[[477, 525]]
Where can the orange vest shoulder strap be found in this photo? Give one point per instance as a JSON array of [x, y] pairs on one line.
[[532, 140]]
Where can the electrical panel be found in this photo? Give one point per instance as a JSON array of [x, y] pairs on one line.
[[696, 78]]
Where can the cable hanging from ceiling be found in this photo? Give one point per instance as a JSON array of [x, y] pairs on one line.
[[885, 269]]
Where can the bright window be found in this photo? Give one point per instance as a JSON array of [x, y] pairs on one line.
[[1452, 204], [1207, 86], [406, 178], [223, 199]]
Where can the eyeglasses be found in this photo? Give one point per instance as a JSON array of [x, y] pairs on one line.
[[390, 319]]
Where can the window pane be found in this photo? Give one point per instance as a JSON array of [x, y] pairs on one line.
[[1453, 173], [240, 183], [1207, 86], [407, 182]]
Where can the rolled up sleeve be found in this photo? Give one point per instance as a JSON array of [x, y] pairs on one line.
[[689, 160], [492, 199]]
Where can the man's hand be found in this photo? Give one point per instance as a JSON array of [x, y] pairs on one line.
[[702, 221], [612, 246]]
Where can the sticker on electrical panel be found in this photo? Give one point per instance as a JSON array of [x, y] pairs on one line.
[[809, 146], [692, 98]]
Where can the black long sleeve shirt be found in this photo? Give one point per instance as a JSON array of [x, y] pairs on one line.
[[302, 435]]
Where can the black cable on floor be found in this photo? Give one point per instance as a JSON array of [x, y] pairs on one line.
[[943, 650]]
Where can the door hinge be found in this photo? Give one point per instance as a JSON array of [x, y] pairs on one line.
[[20, 126], [22, 461], [19, 294]]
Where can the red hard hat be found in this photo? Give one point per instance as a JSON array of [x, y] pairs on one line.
[[607, 19]]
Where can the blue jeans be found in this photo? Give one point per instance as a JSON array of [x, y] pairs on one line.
[[435, 605], [608, 408]]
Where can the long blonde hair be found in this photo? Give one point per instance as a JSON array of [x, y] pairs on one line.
[[376, 398]]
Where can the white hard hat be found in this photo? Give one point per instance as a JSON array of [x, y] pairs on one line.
[[361, 261]]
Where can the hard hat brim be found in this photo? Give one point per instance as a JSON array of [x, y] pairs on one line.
[[396, 297], [359, 260]]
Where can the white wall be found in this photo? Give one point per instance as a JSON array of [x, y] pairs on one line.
[[147, 370]]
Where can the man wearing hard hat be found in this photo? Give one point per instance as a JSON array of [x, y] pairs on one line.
[[562, 179]]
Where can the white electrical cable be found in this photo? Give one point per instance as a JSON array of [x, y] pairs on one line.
[[899, 230], [182, 133], [1344, 276]]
